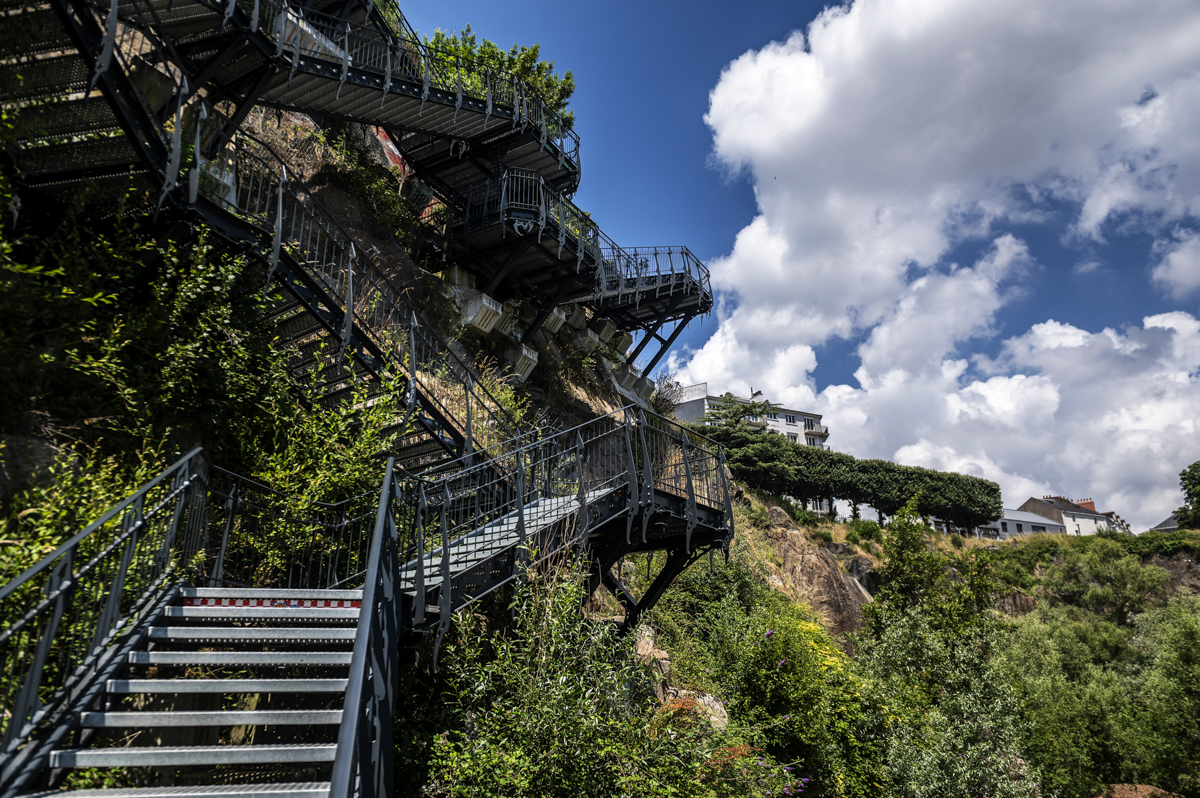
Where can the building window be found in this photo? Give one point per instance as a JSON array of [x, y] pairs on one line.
[[772, 417], [793, 437], [1020, 529], [1004, 526], [790, 419], [811, 441], [810, 424], [1039, 528]]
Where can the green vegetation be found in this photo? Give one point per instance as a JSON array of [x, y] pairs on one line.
[[523, 62], [1188, 516], [124, 352], [773, 463]]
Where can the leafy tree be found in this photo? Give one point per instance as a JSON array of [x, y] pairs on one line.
[[1106, 580], [1188, 516], [525, 63], [730, 412], [926, 647]]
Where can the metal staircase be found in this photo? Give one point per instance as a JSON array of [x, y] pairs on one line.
[[217, 637], [521, 236], [206, 635]]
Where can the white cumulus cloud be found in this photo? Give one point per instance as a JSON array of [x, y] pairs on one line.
[[891, 131]]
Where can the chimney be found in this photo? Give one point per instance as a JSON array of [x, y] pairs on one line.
[[1087, 504]]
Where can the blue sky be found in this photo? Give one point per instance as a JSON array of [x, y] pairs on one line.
[[969, 234], [643, 71]]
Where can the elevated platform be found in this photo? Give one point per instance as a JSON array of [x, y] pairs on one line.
[[452, 121]]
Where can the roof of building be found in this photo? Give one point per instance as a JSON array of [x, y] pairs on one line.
[[1061, 503], [1169, 524], [1022, 517], [690, 393]]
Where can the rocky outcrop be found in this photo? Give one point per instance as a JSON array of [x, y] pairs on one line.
[[812, 574], [704, 705], [655, 658], [1016, 604], [1183, 570]]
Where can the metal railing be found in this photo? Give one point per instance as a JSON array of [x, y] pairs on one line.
[[248, 179], [523, 201], [70, 618], [546, 495], [271, 539], [632, 274], [363, 765], [396, 53]]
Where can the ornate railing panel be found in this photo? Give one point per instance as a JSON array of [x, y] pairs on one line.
[[524, 202], [271, 539]]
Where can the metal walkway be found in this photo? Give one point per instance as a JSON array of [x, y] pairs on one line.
[[203, 632]]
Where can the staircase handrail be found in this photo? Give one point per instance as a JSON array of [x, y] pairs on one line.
[[527, 200], [529, 203], [263, 543], [393, 54], [386, 315], [65, 616], [634, 264], [363, 765]]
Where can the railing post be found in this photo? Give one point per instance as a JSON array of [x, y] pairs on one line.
[[647, 492], [419, 576], [352, 758], [582, 496], [446, 606], [728, 501], [632, 480], [691, 494], [469, 446], [523, 548]]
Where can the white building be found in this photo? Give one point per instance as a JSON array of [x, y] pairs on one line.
[[1019, 522], [800, 426], [1077, 517]]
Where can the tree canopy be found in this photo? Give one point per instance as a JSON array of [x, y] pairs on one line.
[[526, 63], [773, 463]]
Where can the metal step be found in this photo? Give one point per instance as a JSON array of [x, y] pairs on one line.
[[268, 659], [305, 789], [254, 634], [193, 755], [350, 614], [278, 717], [130, 686], [269, 593]]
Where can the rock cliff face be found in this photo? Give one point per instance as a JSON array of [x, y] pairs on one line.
[[1184, 571], [811, 573]]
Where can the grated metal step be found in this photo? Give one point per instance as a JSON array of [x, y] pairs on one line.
[[262, 634], [264, 613], [269, 593], [266, 659], [131, 686], [309, 789], [193, 755], [279, 717]]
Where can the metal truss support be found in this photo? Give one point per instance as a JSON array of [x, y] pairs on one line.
[[667, 344]]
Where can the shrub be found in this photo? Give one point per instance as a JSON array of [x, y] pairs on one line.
[[956, 540]]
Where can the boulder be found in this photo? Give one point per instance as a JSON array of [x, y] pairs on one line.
[[706, 706], [779, 517], [863, 572], [1016, 604], [656, 659]]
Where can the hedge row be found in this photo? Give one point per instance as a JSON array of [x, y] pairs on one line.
[[773, 463]]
